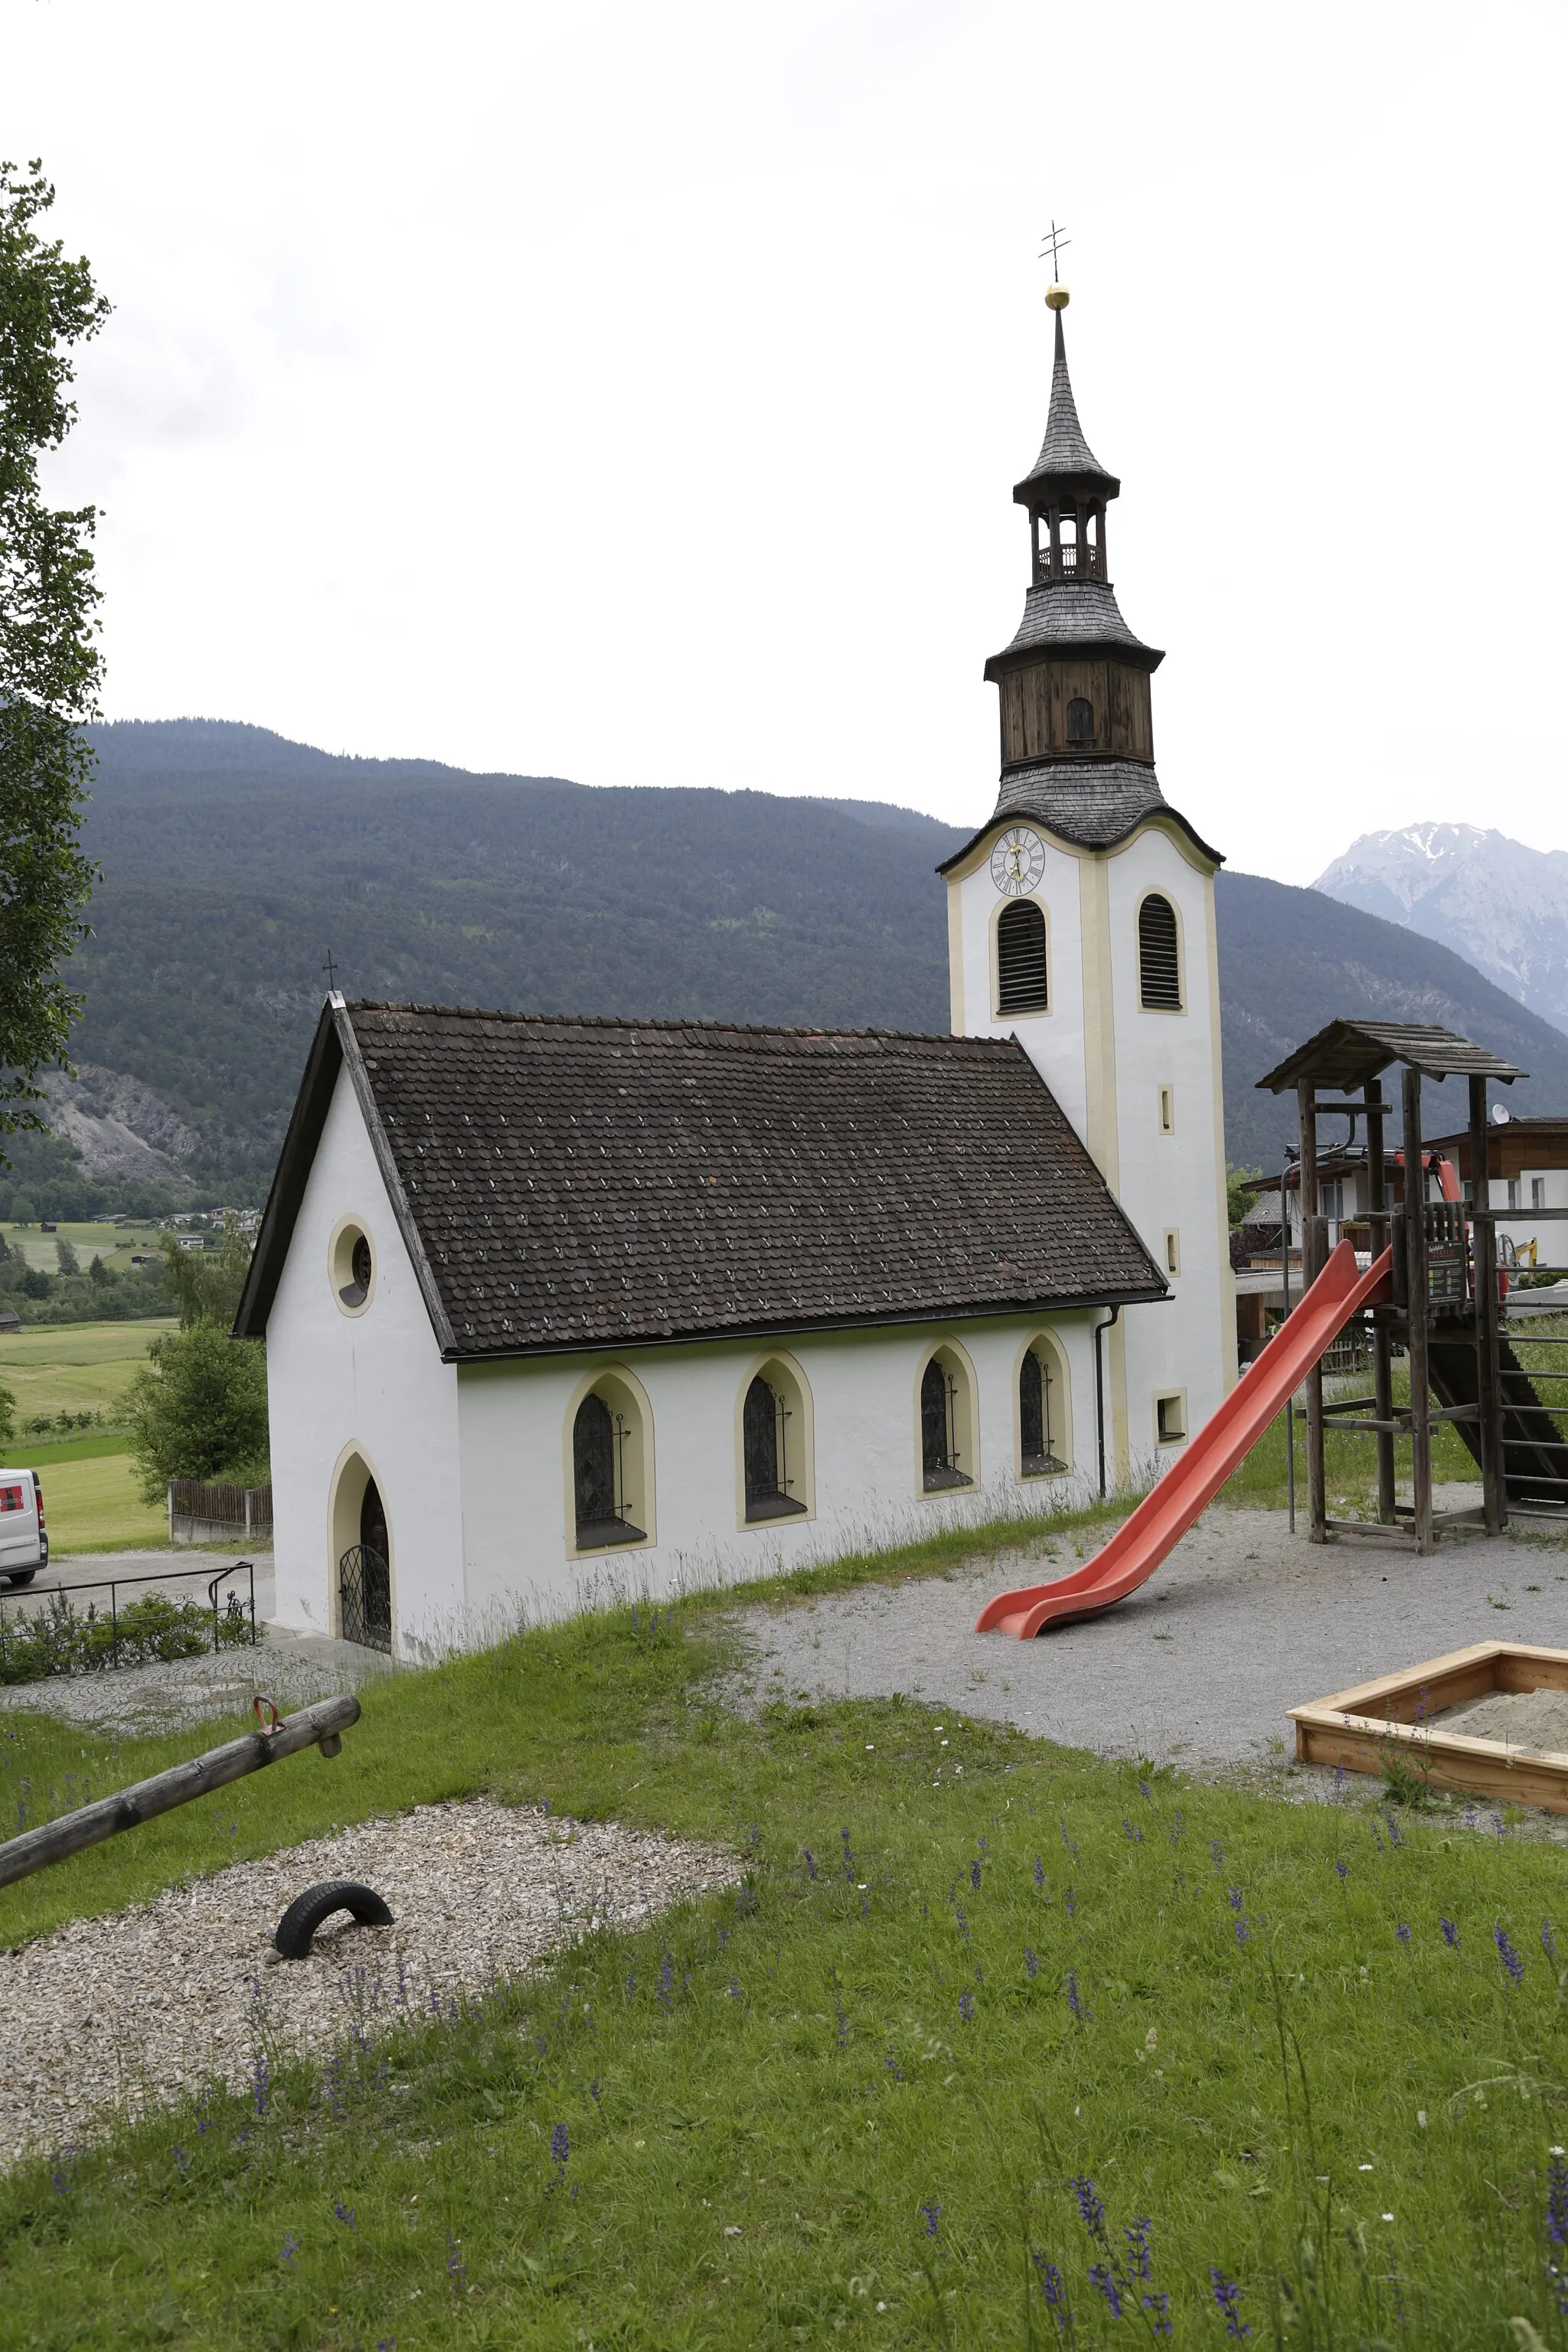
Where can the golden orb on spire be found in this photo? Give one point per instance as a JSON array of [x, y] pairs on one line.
[[1056, 298]]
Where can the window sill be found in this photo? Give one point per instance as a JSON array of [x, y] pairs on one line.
[[943, 1481], [773, 1506], [600, 1535], [1042, 1466]]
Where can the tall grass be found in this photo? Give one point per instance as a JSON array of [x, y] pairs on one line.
[[998, 2044]]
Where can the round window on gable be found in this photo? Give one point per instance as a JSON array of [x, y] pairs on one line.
[[353, 1267]]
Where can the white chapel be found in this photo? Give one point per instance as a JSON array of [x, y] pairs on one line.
[[556, 1306]]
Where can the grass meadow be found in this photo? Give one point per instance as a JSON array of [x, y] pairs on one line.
[[998, 2044]]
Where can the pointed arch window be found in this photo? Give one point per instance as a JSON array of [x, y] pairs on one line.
[[1039, 1415], [768, 1423], [1021, 975], [946, 1419], [606, 1452], [1159, 956]]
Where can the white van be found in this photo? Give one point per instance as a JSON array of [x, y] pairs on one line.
[[24, 1544]]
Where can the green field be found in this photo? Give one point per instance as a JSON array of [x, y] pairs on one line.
[[1000, 2044], [113, 1244], [74, 1367]]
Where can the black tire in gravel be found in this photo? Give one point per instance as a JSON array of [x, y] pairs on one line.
[[297, 1928], [20, 1576]]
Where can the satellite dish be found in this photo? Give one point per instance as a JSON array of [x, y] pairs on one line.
[[1499, 1114]]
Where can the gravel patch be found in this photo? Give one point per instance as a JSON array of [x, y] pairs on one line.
[[110, 2016], [291, 1669], [1199, 1668]]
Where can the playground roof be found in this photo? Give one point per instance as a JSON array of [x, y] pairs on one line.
[[1348, 1053]]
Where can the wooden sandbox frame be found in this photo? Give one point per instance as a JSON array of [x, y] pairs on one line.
[[1356, 1728]]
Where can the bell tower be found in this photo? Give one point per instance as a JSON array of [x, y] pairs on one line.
[[1082, 922]]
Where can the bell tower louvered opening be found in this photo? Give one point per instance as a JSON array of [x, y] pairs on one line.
[[1159, 956], [1021, 983]]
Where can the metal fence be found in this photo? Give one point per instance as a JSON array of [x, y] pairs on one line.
[[115, 1585]]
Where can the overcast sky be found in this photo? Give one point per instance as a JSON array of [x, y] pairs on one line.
[[634, 393]]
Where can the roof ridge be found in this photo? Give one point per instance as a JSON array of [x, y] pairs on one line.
[[676, 1023]]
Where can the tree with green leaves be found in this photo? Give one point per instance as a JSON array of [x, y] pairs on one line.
[[199, 1409], [205, 1283], [49, 657]]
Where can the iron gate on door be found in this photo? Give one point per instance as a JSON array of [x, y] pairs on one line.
[[364, 1598]]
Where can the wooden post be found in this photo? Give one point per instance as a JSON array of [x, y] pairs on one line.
[[1382, 1344], [1415, 1260], [1311, 1234], [1483, 1269], [35, 1849]]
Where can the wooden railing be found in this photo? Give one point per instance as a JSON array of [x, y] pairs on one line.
[[202, 1509]]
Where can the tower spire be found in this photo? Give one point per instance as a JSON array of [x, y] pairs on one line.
[[1065, 455]]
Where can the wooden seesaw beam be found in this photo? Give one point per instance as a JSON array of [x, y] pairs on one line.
[[322, 1725]]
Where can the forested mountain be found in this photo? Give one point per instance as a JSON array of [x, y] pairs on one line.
[[233, 860]]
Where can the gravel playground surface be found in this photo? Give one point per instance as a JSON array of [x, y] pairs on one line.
[[149, 2004], [1198, 1668]]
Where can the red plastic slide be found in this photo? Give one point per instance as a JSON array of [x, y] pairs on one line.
[[1195, 1477]]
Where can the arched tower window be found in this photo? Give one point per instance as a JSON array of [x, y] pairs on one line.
[[946, 1419], [1021, 983], [1159, 956], [1081, 721], [606, 1460]]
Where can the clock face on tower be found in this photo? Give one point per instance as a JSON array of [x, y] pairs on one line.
[[1017, 861]]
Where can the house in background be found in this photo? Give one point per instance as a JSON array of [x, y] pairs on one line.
[[1527, 1168], [550, 1301]]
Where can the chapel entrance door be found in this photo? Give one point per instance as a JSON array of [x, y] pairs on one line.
[[365, 1577]]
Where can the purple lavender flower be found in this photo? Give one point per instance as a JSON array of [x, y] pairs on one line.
[[1070, 1901], [1074, 1999], [1396, 1835], [1099, 2276], [810, 1862], [596, 2090], [666, 1980], [1233, 1897], [1067, 1842], [966, 2007], [559, 2150], [456, 2265], [1402, 1931], [1052, 2287], [183, 2161], [1158, 2306], [1144, 1791], [1508, 1955], [631, 1982], [893, 2067], [1137, 2236], [288, 2249], [1090, 2210], [1136, 1835], [1227, 2294], [1031, 1965], [733, 1989], [1450, 1933], [260, 2082], [974, 1876], [1178, 1826], [930, 2214], [1557, 2202], [1039, 1871], [1548, 1940], [963, 1923], [342, 2213], [1342, 1871]]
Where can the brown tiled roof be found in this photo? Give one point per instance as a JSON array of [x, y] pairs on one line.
[[567, 1184]]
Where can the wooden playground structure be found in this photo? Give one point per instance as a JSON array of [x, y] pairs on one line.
[[1440, 1301]]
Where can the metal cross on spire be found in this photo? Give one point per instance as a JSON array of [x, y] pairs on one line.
[[1055, 238], [330, 968]]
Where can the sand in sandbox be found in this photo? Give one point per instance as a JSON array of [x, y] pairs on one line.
[[1536, 1720]]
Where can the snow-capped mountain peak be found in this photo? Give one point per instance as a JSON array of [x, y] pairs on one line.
[[1500, 905]]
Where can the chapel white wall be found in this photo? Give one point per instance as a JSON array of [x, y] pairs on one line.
[[514, 1422], [373, 1382]]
